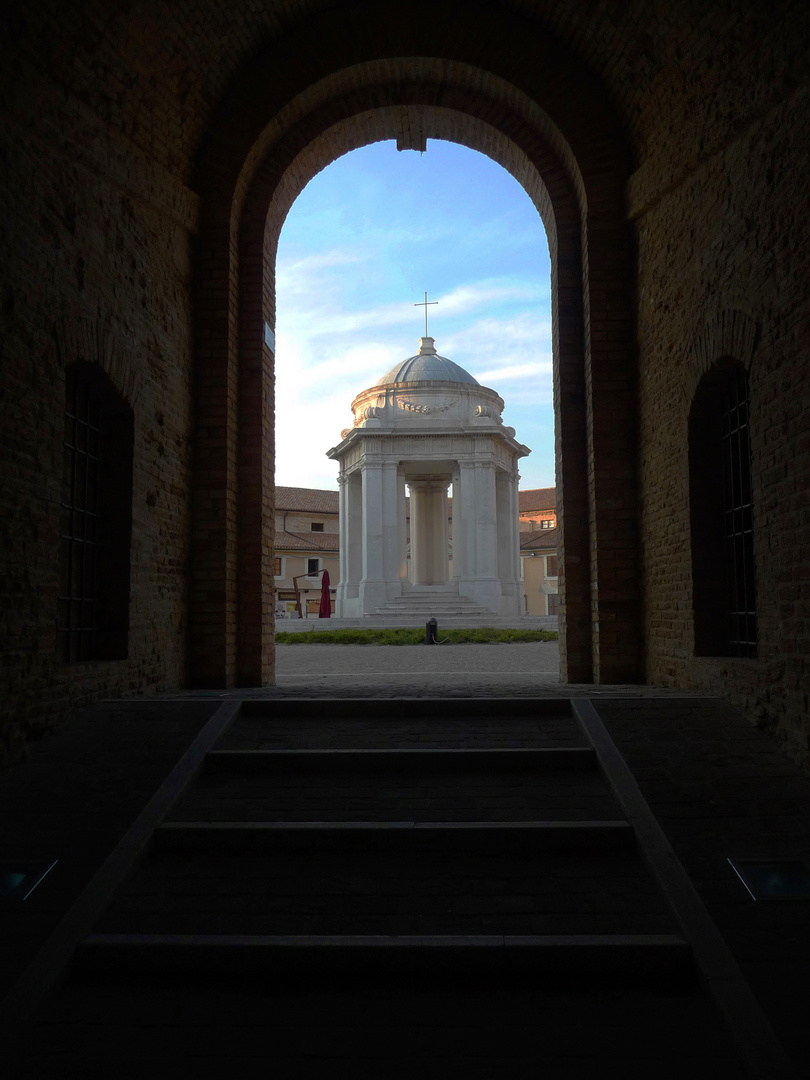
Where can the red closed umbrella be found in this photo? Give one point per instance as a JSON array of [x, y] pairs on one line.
[[325, 610]]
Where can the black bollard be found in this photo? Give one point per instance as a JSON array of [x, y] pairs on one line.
[[431, 632]]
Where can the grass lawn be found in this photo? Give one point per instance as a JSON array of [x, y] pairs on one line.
[[480, 635]]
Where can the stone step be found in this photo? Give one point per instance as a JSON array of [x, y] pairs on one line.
[[540, 922], [441, 716], [298, 958], [407, 837], [384, 1008], [403, 759], [389, 881], [432, 611], [416, 607]]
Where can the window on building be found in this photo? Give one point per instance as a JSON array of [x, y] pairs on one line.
[[552, 604], [92, 619], [721, 512], [316, 526], [278, 566], [313, 566], [551, 566], [547, 523]]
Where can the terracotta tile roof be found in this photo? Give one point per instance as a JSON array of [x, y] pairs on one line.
[[540, 538], [311, 500], [286, 541], [319, 501], [537, 499]]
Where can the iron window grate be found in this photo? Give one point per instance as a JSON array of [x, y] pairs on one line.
[[79, 603], [737, 509]]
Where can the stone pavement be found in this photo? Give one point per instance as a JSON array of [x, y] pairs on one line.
[[719, 787], [524, 669]]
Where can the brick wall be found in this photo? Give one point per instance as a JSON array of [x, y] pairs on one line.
[[142, 148], [96, 240], [731, 281]]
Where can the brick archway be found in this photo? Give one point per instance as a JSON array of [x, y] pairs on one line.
[[268, 143]]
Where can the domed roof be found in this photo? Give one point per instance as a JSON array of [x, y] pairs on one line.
[[427, 366]]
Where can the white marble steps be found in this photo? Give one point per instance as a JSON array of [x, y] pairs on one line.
[[438, 601], [449, 607]]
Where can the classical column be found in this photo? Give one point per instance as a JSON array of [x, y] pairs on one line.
[[439, 567], [390, 529], [343, 553], [458, 557], [420, 532], [485, 520], [464, 542], [507, 539], [402, 527], [487, 590], [355, 553], [372, 584]]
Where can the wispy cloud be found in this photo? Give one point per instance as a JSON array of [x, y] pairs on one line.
[[480, 294], [515, 372], [295, 318]]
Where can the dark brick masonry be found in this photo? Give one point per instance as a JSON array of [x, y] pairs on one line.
[[150, 155]]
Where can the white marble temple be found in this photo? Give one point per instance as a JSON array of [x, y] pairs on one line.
[[430, 428]]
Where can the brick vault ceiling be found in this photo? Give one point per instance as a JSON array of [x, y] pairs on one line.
[[683, 71]]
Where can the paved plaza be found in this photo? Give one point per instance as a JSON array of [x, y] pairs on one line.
[[496, 670], [420, 669]]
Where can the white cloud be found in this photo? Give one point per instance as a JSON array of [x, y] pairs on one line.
[[296, 277], [516, 372], [487, 294], [331, 320]]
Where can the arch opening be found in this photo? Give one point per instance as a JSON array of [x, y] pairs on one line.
[[593, 373], [458, 222]]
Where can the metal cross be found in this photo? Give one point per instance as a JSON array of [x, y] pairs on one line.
[[426, 304]]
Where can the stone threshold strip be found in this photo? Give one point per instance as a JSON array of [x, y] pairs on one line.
[[698, 945], [299, 957], [501, 836], [435, 759]]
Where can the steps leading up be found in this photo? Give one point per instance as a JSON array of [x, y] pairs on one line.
[[370, 887], [426, 604]]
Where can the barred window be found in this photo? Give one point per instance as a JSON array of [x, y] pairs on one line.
[[721, 509], [92, 619]]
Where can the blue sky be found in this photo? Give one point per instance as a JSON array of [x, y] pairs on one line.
[[360, 246]]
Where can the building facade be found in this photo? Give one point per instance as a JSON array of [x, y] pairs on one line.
[[540, 571], [538, 509], [307, 537]]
